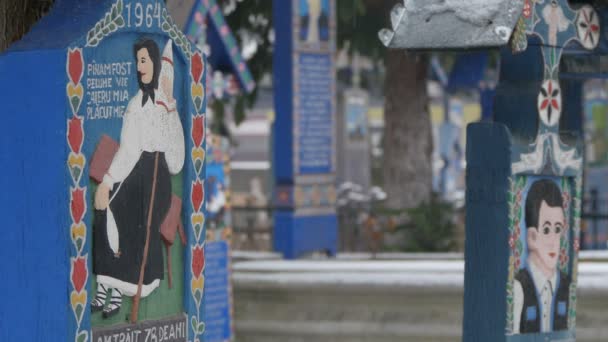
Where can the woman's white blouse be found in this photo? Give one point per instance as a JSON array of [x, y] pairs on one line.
[[155, 127]]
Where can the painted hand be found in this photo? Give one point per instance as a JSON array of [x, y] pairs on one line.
[[102, 197]]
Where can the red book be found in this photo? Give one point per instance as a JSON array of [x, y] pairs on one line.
[[102, 157]]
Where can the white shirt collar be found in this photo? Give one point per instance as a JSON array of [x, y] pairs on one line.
[[540, 279]]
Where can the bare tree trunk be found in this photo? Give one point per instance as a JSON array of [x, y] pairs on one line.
[[17, 17], [408, 141]]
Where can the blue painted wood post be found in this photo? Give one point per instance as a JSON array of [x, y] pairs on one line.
[[68, 84], [304, 128], [518, 168], [218, 301]]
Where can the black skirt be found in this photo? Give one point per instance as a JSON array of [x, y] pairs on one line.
[[130, 210]]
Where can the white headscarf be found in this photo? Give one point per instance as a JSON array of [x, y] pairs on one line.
[[165, 82]]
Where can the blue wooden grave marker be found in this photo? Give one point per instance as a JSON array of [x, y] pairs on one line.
[[524, 171], [103, 94], [304, 143]]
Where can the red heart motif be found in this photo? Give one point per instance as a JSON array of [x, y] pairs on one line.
[[77, 204], [197, 195], [75, 133], [79, 273], [198, 130], [196, 67], [198, 261], [75, 65]]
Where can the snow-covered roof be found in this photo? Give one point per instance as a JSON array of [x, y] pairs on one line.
[[450, 24]]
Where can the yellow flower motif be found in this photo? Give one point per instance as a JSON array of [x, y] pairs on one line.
[[78, 298], [198, 219], [76, 160], [75, 91], [198, 153], [79, 230], [198, 283], [197, 90], [511, 267]]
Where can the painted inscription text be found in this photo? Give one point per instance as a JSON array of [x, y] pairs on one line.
[[171, 330], [107, 89]]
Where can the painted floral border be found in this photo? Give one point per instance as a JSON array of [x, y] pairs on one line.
[[197, 245], [576, 233], [517, 185], [76, 162]]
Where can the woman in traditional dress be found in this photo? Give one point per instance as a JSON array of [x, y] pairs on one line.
[[127, 246]]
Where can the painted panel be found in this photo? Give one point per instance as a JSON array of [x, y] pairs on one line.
[[135, 133], [314, 87], [218, 294], [544, 227]]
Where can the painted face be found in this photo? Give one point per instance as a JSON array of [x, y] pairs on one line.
[[145, 67], [544, 241]]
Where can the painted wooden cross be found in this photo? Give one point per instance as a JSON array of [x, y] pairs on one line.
[[556, 24], [523, 194]]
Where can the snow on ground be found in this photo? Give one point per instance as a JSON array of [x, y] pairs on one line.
[[257, 255], [432, 273], [353, 278], [370, 266], [593, 255]]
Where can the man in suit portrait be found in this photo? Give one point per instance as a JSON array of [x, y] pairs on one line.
[[541, 290]]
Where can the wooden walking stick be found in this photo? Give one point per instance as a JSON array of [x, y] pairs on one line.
[[135, 308]]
